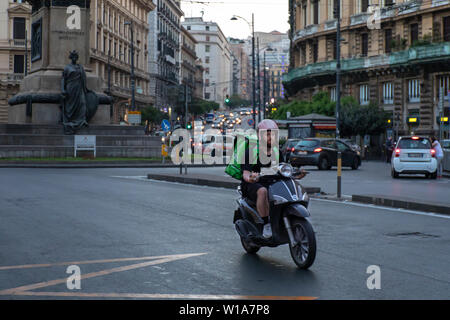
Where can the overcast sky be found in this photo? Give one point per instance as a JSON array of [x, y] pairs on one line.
[[270, 15]]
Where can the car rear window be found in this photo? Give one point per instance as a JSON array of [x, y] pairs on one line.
[[307, 143], [291, 143], [446, 144], [409, 143]]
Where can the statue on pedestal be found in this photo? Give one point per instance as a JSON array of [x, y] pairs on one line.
[[78, 103]]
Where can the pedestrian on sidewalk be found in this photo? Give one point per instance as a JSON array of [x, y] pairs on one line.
[[439, 155], [389, 149]]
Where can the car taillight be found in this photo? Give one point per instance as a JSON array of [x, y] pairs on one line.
[[397, 153], [317, 150], [415, 138], [293, 149], [433, 153]]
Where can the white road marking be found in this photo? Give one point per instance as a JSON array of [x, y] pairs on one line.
[[27, 288], [420, 213]]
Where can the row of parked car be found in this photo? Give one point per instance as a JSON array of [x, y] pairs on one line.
[[321, 152], [411, 154]]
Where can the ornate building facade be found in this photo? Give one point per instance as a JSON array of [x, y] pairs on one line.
[[164, 59], [14, 40], [395, 53], [111, 50], [188, 59]]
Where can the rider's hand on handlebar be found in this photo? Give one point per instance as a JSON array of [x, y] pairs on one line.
[[254, 177], [301, 174]]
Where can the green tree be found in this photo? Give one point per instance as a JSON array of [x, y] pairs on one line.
[[361, 120], [320, 103], [200, 106], [236, 101], [153, 115]]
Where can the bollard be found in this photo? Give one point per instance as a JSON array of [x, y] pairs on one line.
[[339, 174]]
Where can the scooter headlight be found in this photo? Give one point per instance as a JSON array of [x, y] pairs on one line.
[[286, 170]]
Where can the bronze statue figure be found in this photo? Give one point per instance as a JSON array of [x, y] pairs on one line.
[[78, 103]]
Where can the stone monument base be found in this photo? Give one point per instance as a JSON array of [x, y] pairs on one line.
[[49, 141], [46, 113], [39, 100]]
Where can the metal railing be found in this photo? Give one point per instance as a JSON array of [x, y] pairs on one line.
[[426, 53]]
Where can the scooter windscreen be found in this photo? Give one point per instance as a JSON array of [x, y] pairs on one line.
[[285, 191]]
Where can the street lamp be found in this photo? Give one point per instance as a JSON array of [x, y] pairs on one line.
[[338, 68], [133, 101], [252, 28], [267, 48]]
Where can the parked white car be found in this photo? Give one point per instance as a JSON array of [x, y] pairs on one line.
[[414, 155]]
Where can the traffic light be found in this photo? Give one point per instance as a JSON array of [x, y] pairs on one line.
[[227, 100], [189, 126]]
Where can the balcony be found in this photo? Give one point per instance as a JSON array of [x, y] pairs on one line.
[[17, 43], [330, 25], [307, 31], [420, 54], [359, 18], [437, 3], [11, 77]]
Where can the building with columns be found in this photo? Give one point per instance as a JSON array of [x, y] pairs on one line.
[[399, 61], [164, 56], [111, 50], [15, 36]]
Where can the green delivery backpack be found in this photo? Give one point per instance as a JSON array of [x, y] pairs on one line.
[[240, 146]]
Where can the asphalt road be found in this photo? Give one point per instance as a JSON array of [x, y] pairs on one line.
[[372, 177], [52, 216]]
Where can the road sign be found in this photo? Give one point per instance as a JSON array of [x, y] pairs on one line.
[[165, 125], [250, 122], [85, 143], [134, 117]]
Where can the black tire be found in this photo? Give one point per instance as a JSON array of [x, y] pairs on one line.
[[249, 247], [304, 253], [355, 163], [324, 164], [394, 173], [433, 175]]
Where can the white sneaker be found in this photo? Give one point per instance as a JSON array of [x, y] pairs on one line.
[[267, 231]]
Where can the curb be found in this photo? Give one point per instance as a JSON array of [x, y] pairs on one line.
[[107, 164], [209, 182], [404, 204]]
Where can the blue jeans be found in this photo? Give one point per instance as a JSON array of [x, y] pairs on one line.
[[439, 166]]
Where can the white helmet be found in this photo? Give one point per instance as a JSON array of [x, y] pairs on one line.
[[267, 124]]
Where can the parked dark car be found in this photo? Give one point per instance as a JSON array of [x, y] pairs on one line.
[[288, 147], [322, 152]]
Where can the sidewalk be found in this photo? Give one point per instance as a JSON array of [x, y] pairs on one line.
[[403, 202], [95, 164], [209, 180]]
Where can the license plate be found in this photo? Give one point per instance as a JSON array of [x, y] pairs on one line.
[[415, 155], [302, 153]]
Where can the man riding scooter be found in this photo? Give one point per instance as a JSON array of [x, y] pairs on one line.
[[250, 171]]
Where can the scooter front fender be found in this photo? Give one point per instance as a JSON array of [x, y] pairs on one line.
[[298, 210]]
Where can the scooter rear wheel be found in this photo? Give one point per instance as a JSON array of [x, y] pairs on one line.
[[304, 253], [249, 247]]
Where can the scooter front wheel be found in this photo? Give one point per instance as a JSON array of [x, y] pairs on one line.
[[250, 248], [304, 252]]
